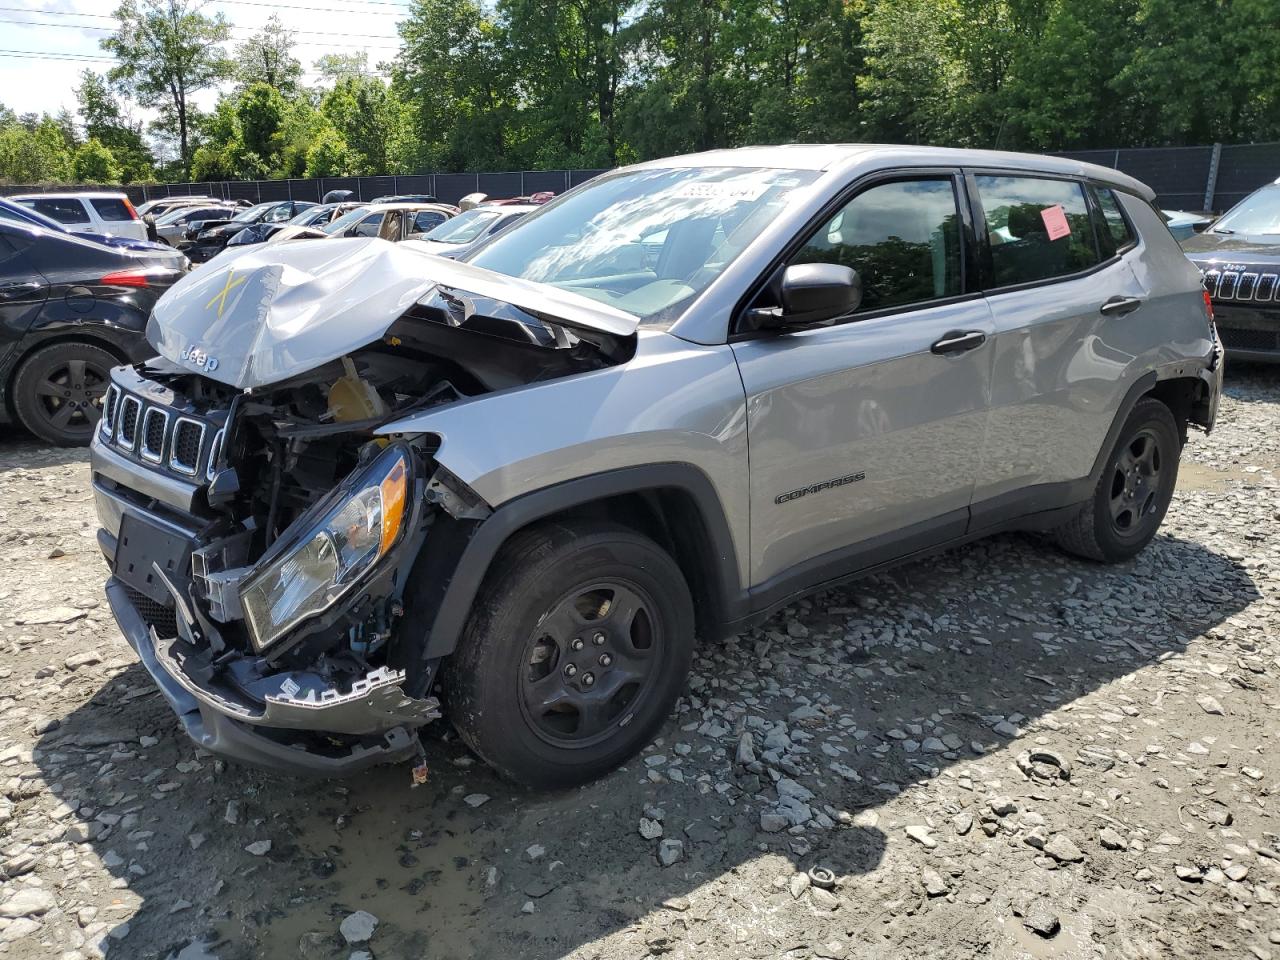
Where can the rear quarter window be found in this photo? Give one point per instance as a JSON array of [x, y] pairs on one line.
[[62, 209], [1116, 234], [111, 209]]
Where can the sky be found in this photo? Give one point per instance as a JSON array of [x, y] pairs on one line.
[[62, 34]]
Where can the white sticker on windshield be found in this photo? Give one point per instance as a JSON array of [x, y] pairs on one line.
[[721, 190]]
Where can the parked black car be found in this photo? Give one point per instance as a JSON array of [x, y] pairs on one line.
[[1240, 258], [70, 310], [206, 239]]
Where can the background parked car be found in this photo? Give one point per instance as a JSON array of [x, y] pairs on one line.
[[1240, 259], [468, 230], [319, 216], [1183, 224], [172, 225], [21, 214], [390, 221], [70, 310], [205, 239], [101, 212]]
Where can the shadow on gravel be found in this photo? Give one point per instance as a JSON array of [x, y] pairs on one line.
[[22, 451], [447, 879]]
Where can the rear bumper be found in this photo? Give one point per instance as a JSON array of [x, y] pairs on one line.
[[219, 733]]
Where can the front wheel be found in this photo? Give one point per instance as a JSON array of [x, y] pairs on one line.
[[578, 645], [1134, 491], [58, 390]]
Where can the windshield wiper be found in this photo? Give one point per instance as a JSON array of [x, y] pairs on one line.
[[1225, 231]]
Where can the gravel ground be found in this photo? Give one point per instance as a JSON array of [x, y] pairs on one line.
[[1002, 752]]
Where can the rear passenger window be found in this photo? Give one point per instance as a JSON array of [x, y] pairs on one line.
[[110, 209], [1038, 229], [902, 238], [1116, 234], [67, 210]]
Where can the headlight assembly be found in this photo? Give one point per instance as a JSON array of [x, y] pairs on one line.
[[331, 555]]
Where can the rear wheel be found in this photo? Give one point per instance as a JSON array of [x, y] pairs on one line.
[[577, 648], [58, 390], [1134, 491]]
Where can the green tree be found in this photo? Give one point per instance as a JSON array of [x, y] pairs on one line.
[[365, 114], [94, 163], [167, 50], [260, 111], [104, 120], [329, 156], [267, 57], [38, 155], [454, 72]]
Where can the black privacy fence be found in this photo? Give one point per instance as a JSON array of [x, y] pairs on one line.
[[1194, 178], [448, 187], [1184, 178]]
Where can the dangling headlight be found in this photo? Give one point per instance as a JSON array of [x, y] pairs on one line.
[[333, 553]]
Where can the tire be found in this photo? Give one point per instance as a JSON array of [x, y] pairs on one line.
[[578, 645], [1133, 494], [57, 391]]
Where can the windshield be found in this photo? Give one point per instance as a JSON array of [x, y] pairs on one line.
[[646, 241], [253, 213], [309, 216], [463, 228], [336, 227], [1257, 213]]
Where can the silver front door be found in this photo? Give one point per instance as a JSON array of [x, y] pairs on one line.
[[871, 427]]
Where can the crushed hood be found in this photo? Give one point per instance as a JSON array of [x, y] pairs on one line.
[[260, 315]]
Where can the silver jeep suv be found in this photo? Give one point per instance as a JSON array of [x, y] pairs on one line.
[[362, 486]]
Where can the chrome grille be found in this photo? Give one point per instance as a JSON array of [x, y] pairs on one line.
[[155, 424], [109, 401], [127, 432], [184, 449], [1243, 286]]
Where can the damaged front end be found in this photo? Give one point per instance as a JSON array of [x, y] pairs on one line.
[[267, 546]]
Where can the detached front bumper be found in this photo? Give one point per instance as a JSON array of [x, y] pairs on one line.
[[208, 721]]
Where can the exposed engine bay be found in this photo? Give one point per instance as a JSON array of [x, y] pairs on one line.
[[267, 535]]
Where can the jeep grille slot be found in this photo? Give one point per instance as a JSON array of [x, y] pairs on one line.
[[184, 449], [215, 448], [155, 423], [109, 401], [130, 407]]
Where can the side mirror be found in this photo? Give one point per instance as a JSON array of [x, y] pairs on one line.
[[811, 293]]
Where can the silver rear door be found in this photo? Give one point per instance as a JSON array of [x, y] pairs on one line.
[[1064, 305]]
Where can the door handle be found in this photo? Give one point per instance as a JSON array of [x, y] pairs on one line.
[[958, 341], [1119, 306], [15, 289]]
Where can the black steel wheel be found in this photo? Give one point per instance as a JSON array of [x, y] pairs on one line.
[[1135, 484], [578, 645], [590, 660], [1134, 491], [57, 391]]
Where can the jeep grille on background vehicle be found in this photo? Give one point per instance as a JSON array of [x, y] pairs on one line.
[[1235, 285], [154, 433]]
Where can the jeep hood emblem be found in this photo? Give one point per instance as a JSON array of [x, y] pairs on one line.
[[270, 312]]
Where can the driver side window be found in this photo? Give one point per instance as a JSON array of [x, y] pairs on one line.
[[902, 238]]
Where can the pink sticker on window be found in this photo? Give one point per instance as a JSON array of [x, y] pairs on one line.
[[1055, 222]]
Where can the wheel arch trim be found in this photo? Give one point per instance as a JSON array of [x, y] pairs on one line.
[[490, 534]]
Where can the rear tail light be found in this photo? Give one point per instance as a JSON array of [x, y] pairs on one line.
[[1208, 306], [128, 205], [126, 278]]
